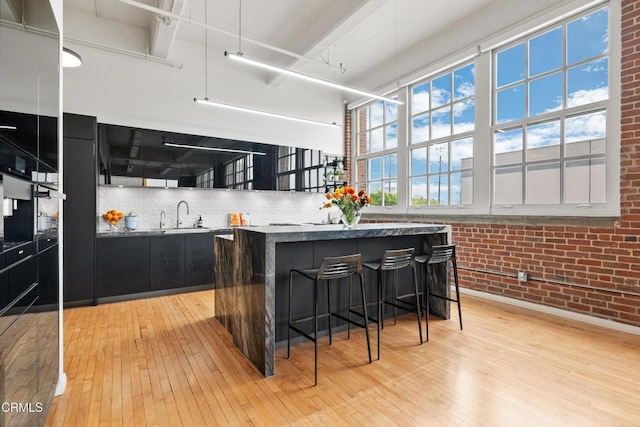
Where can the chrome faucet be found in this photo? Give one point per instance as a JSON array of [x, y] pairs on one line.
[[162, 216], [178, 222]]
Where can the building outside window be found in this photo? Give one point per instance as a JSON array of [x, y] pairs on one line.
[[206, 179]]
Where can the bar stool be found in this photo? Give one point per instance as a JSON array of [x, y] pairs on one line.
[[440, 254], [394, 260], [330, 269]]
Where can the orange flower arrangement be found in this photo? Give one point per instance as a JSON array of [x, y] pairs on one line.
[[349, 202]]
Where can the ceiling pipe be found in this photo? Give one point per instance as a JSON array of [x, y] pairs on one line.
[[228, 33]]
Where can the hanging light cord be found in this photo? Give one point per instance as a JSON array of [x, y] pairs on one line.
[[240, 27], [206, 55]]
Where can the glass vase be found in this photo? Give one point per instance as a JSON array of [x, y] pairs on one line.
[[349, 219]]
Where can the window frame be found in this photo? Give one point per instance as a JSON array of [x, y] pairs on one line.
[[484, 126]]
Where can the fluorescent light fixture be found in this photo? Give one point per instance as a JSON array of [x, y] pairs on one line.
[[200, 147], [8, 127], [70, 59], [239, 57], [205, 101]]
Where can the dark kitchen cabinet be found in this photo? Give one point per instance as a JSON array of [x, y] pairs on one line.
[[167, 262], [162, 264], [79, 208], [123, 265], [199, 259], [48, 275]]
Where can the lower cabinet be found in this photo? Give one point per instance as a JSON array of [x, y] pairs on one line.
[[166, 258], [199, 248], [123, 265], [129, 265]]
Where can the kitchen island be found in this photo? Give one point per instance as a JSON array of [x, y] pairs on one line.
[[252, 272]]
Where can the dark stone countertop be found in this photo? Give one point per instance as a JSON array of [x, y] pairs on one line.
[[308, 232], [163, 232]]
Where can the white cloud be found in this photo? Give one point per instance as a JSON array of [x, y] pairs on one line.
[[583, 97]]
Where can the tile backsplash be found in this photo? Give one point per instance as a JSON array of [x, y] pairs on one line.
[[214, 205]]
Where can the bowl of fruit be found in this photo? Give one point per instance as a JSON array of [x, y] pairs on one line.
[[112, 217]]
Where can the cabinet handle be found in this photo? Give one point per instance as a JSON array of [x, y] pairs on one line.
[[21, 251], [48, 240]]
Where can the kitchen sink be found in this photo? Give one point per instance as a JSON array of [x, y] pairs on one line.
[[184, 230]]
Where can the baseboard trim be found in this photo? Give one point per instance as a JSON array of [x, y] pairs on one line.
[[61, 385], [596, 321]]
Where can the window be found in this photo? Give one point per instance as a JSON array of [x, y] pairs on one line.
[[377, 158], [302, 169], [286, 168], [206, 179], [442, 115], [549, 128], [239, 173]]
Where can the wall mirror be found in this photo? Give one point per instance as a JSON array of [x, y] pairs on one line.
[[135, 157]]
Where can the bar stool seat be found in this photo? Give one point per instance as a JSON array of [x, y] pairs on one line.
[[440, 254], [331, 268], [394, 260]]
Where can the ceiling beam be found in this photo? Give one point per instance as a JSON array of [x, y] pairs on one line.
[[16, 7], [162, 29], [347, 15]]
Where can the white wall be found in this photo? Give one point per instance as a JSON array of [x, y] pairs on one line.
[[214, 205], [125, 90]]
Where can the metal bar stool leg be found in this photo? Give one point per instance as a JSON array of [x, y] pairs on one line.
[[382, 288], [379, 318], [329, 308], [455, 277], [350, 307], [415, 282], [289, 322], [366, 319], [395, 297], [315, 331]]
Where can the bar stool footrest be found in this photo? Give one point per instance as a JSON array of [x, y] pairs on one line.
[[303, 333]]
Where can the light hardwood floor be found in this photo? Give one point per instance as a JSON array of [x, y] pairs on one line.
[[166, 361]]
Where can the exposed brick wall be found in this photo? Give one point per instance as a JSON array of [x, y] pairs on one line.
[[594, 270]]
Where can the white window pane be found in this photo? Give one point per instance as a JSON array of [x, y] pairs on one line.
[[588, 36], [464, 82], [510, 65], [439, 158], [375, 192], [419, 191], [377, 140], [392, 112], [419, 161], [420, 98], [464, 116], [588, 83], [585, 181], [391, 135], [377, 114], [508, 146], [441, 122], [439, 189], [466, 188], [375, 168], [462, 154], [420, 128], [543, 141], [390, 166], [545, 94], [510, 104], [543, 184], [441, 91], [507, 186], [390, 190], [585, 134], [545, 52]]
